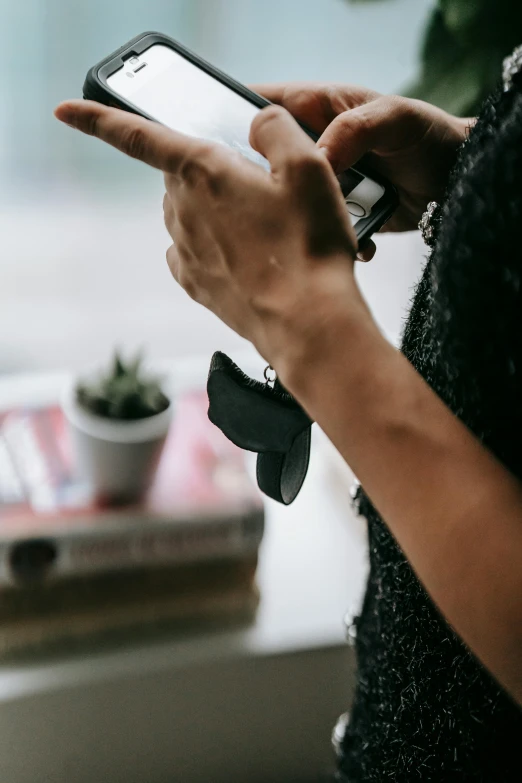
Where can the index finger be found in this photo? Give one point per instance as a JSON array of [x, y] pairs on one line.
[[272, 92], [316, 104], [308, 102], [137, 137]]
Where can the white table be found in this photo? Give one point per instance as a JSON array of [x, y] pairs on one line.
[[254, 705]]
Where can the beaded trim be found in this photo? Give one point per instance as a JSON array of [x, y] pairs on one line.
[[429, 223], [512, 68]]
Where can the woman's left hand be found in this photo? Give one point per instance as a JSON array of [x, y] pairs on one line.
[[269, 252]]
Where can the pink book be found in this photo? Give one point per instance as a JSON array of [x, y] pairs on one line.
[[202, 505]]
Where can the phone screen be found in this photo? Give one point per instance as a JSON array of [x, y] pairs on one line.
[[174, 91]]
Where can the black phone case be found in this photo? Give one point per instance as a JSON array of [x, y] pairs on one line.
[[95, 88], [257, 417]]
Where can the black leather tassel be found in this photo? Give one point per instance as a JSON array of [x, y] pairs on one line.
[[264, 419]]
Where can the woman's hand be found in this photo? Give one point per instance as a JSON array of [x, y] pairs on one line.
[[270, 253], [411, 143]]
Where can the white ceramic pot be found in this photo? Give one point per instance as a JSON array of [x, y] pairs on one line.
[[117, 459]]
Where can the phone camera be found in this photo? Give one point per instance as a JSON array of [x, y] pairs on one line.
[[130, 75], [134, 60]]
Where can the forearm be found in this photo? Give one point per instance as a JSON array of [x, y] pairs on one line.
[[454, 509]]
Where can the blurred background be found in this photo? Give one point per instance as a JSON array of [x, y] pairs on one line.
[[82, 244], [82, 270], [81, 236]]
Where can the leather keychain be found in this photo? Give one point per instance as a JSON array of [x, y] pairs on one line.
[[263, 418]]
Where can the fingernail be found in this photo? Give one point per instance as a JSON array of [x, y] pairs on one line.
[[326, 153]]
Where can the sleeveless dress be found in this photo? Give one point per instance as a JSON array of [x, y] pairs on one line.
[[425, 708]]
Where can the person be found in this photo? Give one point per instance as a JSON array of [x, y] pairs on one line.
[[433, 432]]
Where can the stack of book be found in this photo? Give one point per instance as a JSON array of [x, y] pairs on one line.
[[70, 569]]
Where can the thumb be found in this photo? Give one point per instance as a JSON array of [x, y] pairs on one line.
[[375, 126], [276, 135]]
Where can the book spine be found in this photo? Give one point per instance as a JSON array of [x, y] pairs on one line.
[[207, 608], [30, 561]]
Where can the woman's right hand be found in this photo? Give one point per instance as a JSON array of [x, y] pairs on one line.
[[411, 143]]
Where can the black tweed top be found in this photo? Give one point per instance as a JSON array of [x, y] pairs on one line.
[[425, 709]]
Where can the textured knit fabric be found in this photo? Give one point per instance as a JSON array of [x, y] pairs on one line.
[[425, 709]]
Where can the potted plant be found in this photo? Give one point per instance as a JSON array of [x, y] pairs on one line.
[[462, 52], [119, 422]]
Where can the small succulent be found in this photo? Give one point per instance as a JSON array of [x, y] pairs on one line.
[[124, 392]]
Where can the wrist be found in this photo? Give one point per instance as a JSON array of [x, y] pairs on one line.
[[332, 321]]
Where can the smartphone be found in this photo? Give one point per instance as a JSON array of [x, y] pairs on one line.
[[160, 79]]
